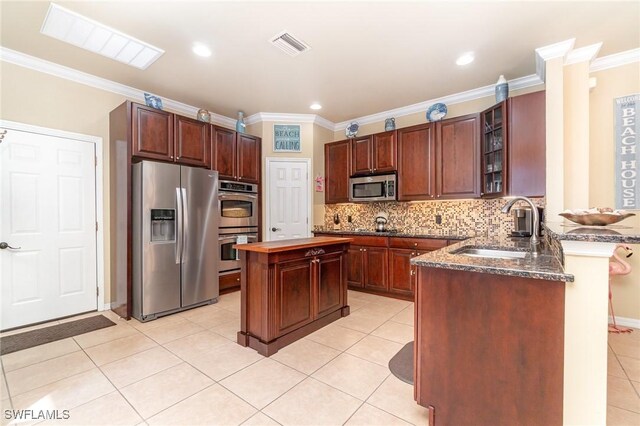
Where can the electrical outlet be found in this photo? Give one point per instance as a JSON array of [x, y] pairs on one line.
[[438, 219], [349, 219]]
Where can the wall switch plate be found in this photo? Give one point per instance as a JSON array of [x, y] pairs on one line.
[[438, 219]]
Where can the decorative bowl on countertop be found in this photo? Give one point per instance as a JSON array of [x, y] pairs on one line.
[[596, 219]]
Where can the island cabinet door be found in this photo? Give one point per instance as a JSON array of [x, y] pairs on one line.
[[330, 279], [294, 304]]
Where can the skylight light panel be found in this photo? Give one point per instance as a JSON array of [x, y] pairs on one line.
[[80, 31]]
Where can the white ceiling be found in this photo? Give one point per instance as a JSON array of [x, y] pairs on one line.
[[365, 57]]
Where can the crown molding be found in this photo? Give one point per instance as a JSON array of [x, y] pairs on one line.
[[469, 95], [561, 49], [290, 118], [615, 60], [583, 54], [551, 51], [51, 68]]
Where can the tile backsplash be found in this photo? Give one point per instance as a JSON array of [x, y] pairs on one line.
[[459, 217]]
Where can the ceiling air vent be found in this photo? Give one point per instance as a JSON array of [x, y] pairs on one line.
[[289, 44]]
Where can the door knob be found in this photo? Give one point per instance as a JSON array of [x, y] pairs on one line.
[[4, 245], [274, 229]]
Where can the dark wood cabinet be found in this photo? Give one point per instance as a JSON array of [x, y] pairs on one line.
[[161, 135], [401, 272], [508, 367], [237, 155], [355, 269], [223, 145], [361, 156], [151, 133], [294, 294], [248, 158], [375, 268], [337, 157], [527, 145], [192, 141], [381, 265], [513, 147], [374, 154], [289, 291], [385, 152], [416, 162], [401, 251], [367, 263], [330, 273], [494, 150], [457, 157], [229, 282]]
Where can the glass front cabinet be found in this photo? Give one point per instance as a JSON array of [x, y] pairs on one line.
[[494, 150]]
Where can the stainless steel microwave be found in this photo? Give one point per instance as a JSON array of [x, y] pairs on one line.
[[372, 188]]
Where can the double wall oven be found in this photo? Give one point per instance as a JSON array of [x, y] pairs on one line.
[[238, 207]]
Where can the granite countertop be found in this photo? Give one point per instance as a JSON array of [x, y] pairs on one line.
[[544, 267], [401, 234], [617, 233]]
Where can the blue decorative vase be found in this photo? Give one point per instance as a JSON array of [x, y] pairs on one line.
[[502, 89], [389, 124], [240, 126]]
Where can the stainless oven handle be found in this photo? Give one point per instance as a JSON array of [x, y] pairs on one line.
[[237, 195], [227, 238]]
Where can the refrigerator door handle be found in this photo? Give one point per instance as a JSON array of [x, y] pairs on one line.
[[185, 224], [179, 225]]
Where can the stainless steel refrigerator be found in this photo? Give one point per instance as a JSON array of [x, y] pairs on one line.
[[175, 238]]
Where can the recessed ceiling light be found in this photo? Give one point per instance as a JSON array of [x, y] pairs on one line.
[[465, 59], [80, 31], [201, 50], [315, 105]]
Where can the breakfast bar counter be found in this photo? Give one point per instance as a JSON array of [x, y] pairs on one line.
[[291, 288]]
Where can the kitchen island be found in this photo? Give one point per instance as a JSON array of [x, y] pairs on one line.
[[290, 289], [489, 334]]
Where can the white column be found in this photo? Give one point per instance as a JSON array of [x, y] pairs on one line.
[[585, 332]]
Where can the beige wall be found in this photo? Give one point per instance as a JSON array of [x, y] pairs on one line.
[[40, 99], [43, 100], [611, 84], [312, 139]]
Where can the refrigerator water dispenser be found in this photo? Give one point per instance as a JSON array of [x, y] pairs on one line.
[[163, 225]]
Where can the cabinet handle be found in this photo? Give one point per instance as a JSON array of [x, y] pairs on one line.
[[419, 253], [413, 272], [171, 156], [237, 279], [413, 254], [415, 244], [438, 196], [364, 249]]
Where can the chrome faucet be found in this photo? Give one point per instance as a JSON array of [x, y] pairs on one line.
[[535, 238]]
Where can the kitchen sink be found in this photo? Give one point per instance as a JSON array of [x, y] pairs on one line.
[[490, 253]]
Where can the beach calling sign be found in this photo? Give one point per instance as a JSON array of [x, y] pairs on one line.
[[286, 138], [627, 167]]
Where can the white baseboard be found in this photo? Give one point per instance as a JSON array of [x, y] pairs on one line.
[[626, 322]]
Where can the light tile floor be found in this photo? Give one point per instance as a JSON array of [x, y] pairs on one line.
[[187, 369]]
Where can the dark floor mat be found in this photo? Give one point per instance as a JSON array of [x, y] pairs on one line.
[[401, 365], [29, 339]]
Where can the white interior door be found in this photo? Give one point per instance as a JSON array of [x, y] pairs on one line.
[[48, 212], [288, 199]]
